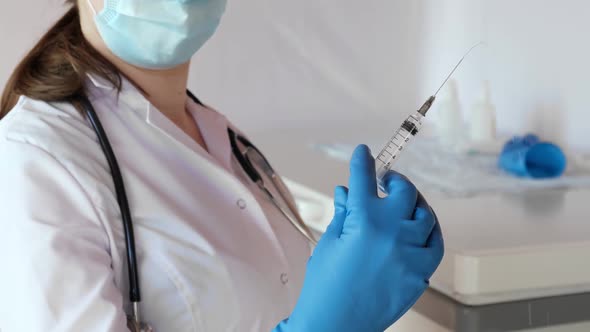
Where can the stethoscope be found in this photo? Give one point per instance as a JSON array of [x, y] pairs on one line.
[[247, 156]]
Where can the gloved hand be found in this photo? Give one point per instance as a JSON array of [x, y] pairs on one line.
[[375, 259], [529, 157]]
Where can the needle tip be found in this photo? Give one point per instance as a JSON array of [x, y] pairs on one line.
[[457, 66]]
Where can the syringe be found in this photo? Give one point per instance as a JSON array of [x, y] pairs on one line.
[[409, 128]]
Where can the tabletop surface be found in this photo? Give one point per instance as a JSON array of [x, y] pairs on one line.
[[478, 225], [490, 222]]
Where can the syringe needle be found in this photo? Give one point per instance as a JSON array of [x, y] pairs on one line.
[[456, 66], [408, 130]]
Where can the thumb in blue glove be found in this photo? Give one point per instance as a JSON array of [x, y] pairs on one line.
[[374, 260]]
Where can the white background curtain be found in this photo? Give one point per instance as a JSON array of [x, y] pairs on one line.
[[316, 63]]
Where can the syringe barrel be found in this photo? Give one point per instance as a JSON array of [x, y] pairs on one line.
[[394, 147]]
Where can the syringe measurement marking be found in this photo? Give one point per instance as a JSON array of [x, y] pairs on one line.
[[395, 144], [391, 146], [382, 158]]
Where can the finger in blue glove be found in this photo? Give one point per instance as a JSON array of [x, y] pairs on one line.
[[374, 260]]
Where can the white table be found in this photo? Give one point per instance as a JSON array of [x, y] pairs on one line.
[[499, 247]]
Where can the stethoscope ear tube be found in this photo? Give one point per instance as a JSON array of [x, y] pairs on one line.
[[242, 160], [134, 291]]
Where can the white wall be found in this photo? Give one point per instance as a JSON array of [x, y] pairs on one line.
[[540, 66], [311, 62], [277, 63], [297, 63], [21, 23], [536, 59]]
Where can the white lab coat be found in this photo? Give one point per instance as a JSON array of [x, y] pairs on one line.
[[213, 254]]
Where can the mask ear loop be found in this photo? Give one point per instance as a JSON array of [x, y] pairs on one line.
[[92, 7]]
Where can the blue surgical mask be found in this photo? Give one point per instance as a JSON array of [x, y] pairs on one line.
[[157, 34]]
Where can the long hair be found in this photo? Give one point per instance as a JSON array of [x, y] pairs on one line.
[[56, 69]]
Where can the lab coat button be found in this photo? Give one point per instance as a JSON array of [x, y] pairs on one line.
[[241, 204], [284, 278]]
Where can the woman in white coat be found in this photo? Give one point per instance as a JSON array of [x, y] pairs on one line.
[[213, 253]]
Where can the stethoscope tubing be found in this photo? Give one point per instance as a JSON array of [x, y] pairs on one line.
[[134, 290], [133, 275]]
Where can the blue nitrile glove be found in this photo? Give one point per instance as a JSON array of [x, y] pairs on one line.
[[529, 157], [375, 259]]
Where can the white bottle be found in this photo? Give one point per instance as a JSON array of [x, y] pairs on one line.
[[449, 122], [482, 122]]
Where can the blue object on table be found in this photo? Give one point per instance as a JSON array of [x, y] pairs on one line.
[[527, 156]]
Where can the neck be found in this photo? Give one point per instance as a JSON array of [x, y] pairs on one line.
[[165, 89]]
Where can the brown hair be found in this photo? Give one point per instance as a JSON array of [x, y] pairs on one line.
[[55, 70]]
